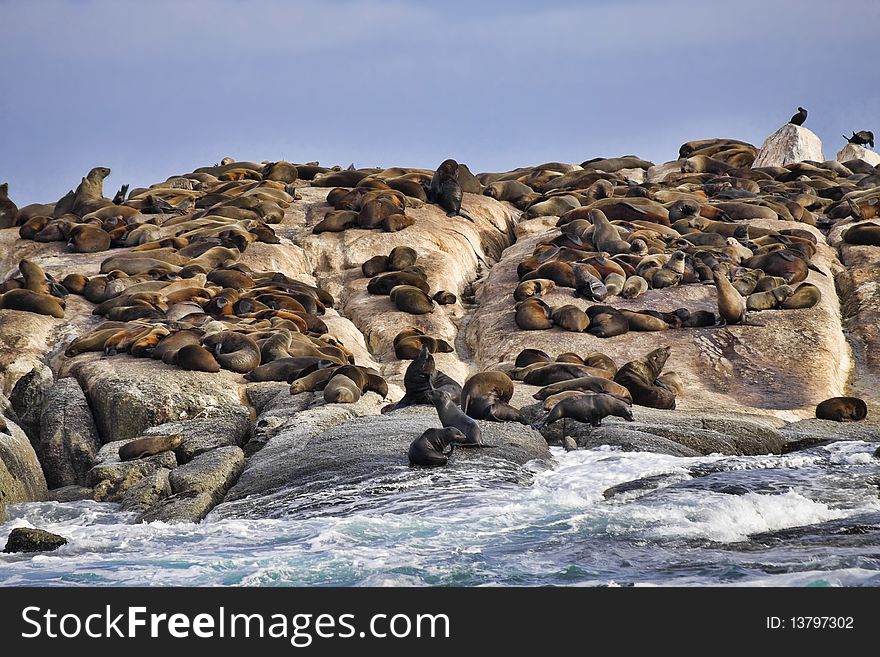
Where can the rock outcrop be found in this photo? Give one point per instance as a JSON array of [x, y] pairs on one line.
[[27, 539], [856, 152], [68, 439], [21, 477], [788, 145]]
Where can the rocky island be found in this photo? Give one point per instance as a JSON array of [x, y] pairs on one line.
[[241, 336]]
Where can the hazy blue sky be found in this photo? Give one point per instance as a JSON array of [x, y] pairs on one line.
[[151, 89]]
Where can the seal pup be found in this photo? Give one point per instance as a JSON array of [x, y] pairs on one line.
[[434, 446]]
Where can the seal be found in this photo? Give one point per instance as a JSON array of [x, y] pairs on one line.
[[32, 302], [446, 191], [375, 266], [601, 361], [149, 446], [336, 221], [86, 238], [452, 416], [288, 369], [731, 305], [313, 381], [635, 286], [590, 408], [535, 287], [444, 298], [384, 283], [8, 209], [75, 283], [806, 295], [769, 300], [341, 390], [234, 351], [401, 257], [842, 409], [544, 375], [531, 356], [570, 317], [409, 346], [420, 378], [196, 358], [587, 284], [639, 377], [866, 234], [434, 446], [606, 322], [485, 396], [412, 300], [533, 315]]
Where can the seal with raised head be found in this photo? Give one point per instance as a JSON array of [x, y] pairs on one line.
[[452, 416], [149, 446], [639, 377], [420, 378], [485, 396], [587, 407], [8, 209], [731, 304], [842, 409], [434, 446]]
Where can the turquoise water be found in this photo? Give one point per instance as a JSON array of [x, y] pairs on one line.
[[803, 519]]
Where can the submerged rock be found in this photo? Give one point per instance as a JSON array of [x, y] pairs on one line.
[[790, 144], [26, 539]]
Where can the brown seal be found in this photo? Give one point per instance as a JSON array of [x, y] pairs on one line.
[[570, 317], [535, 287], [485, 396], [409, 346], [590, 408], [639, 377], [769, 300], [412, 300], [149, 446], [533, 315], [384, 283], [556, 372], [866, 234], [8, 209], [586, 384], [86, 238], [731, 305], [531, 356], [806, 295], [234, 351], [606, 322], [32, 302], [434, 446], [341, 390], [375, 266], [444, 298], [196, 358], [634, 286], [842, 409]]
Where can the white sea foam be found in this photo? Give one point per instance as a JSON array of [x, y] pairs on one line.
[[457, 529]]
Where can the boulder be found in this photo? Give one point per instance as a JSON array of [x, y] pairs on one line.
[[231, 426], [70, 494], [857, 152], [111, 478], [28, 539], [790, 144], [28, 397], [24, 341], [129, 395], [147, 492], [21, 477], [311, 458], [68, 440]]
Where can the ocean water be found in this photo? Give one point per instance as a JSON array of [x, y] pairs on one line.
[[807, 519]]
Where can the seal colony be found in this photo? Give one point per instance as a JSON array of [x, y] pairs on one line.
[[173, 284]]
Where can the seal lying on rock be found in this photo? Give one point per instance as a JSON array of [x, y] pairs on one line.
[[434, 446], [149, 446], [485, 396], [842, 409], [640, 376]]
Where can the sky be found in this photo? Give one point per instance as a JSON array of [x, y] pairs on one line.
[[153, 89]]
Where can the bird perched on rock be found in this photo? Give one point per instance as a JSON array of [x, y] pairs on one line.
[[861, 138], [800, 117]]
